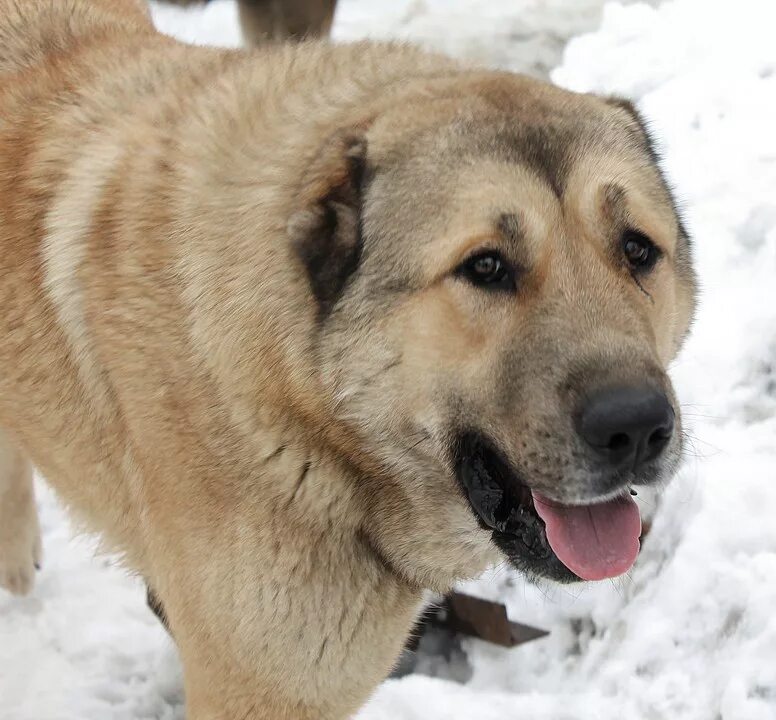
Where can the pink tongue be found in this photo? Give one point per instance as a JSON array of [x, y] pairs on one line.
[[594, 541]]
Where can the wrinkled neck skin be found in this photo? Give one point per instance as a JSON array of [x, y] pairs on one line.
[[311, 606]]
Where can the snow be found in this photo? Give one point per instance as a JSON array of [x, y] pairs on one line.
[[691, 633]]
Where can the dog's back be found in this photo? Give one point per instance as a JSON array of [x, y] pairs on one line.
[[34, 31], [71, 70]]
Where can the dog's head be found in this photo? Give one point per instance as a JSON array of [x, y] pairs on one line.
[[501, 281]]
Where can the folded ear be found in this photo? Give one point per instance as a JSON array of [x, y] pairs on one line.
[[326, 232]]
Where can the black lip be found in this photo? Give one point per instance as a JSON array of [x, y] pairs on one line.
[[503, 504]]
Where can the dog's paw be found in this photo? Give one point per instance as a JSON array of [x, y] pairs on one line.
[[20, 550]]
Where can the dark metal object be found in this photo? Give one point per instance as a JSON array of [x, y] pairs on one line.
[[484, 620]]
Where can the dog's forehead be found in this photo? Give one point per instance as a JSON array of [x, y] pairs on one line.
[[551, 145], [487, 158], [518, 121]]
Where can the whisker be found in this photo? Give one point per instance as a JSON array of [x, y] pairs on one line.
[[426, 437]]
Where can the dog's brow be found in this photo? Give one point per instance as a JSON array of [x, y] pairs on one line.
[[511, 229], [615, 201], [508, 226]]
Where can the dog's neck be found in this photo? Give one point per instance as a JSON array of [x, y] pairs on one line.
[[308, 594]]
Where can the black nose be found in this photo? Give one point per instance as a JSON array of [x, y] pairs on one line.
[[628, 425]]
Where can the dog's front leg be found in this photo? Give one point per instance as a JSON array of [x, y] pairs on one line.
[[303, 629], [20, 546], [239, 701]]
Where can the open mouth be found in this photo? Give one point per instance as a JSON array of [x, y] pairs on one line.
[[540, 536]]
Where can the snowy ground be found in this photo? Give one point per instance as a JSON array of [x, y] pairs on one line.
[[519, 35], [691, 634]]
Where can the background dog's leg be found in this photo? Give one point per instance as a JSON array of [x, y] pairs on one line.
[[20, 547], [263, 20]]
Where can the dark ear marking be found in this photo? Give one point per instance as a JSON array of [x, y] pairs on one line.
[[326, 233]]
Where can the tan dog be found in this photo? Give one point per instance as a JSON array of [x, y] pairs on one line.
[[305, 331]]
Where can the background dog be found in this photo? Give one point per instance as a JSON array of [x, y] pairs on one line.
[[305, 332], [279, 20]]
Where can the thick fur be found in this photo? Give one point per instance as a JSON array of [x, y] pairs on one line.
[[233, 337]]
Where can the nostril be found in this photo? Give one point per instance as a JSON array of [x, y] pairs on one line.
[[619, 442], [660, 437], [657, 442]]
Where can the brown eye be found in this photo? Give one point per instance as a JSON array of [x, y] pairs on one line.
[[488, 267], [640, 252], [489, 271]]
